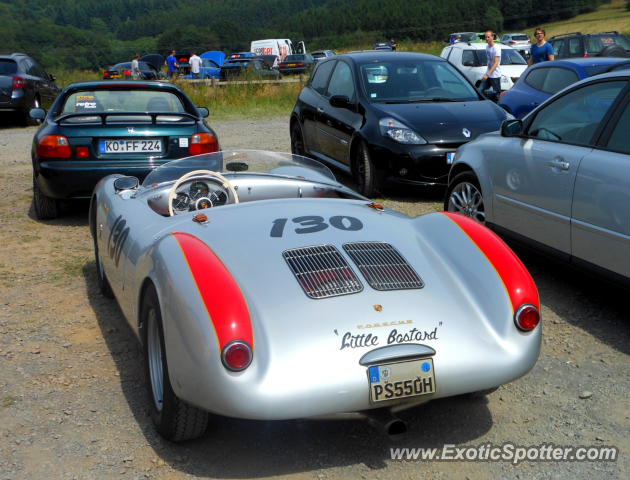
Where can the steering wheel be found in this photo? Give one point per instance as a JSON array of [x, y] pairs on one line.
[[215, 176]]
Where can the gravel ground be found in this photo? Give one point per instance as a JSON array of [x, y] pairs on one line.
[[73, 401]]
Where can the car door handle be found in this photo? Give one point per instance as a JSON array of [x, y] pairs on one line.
[[320, 109], [560, 164]]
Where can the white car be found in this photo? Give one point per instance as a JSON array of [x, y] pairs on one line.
[[470, 59], [518, 41]]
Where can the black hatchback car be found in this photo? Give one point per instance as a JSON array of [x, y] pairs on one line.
[[389, 117], [24, 84]]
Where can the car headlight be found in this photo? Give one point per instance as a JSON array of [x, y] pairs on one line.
[[399, 132]]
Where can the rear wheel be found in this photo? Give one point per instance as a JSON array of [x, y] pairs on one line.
[[464, 196], [365, 173], [46, 208], [613, 51], [174, 419]]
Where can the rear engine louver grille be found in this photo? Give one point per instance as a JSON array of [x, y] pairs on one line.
[[382, 266], [322, 271]]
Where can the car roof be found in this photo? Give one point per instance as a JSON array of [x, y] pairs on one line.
[[367, 55], [582, 62], [477, 45], [108, 84]]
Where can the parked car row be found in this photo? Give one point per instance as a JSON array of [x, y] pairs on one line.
[[556, 179]]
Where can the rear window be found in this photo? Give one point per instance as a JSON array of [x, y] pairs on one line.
[[294, 58], [8, 67], [133, 100], [520, 38], [318, 54], [551, 80], [596, 43]]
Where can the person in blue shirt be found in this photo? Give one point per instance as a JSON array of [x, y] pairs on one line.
[[171, 64], [541, 51]]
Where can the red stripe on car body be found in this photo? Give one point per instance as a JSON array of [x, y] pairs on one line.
[[219, 290], [518, 282]]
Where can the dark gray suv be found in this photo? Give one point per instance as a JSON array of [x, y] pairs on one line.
[[24, 84], [604, 44]]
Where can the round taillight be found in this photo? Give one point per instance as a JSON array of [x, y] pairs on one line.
[[527, 317], [236, 356]]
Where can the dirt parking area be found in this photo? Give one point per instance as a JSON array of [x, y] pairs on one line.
[[72, 391]]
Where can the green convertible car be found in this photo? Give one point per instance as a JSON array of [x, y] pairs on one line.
[[94, 129]]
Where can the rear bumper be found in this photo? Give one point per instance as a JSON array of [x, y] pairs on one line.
[[69, 179]]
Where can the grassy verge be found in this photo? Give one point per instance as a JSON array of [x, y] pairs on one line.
[[249, 100]]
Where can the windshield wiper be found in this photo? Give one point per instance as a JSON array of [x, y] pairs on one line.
[[436, 99]]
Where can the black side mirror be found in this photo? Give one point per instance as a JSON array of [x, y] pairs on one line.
[[37, 113], [511, 128], [341, 101], [126, 183], [203, 111]]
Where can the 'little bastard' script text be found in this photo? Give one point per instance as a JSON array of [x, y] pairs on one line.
[[348, 340]]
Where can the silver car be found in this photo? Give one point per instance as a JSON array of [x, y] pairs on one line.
[[560, 178], [262, 288]]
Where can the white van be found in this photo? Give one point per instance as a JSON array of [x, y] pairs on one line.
[[276, 46]]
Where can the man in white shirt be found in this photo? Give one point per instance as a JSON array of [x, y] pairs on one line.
[[492, 77], [195, 65], [135, 67]]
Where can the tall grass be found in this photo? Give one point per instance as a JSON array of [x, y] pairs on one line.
[[254, 100]]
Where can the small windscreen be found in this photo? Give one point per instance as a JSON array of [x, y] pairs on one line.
[[121, 100]]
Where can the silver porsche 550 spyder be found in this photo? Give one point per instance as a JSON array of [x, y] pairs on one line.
[[262, 288]]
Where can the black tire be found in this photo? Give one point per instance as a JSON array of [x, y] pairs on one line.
[[46, 208], [464, 196], [365, 174], [297, 140], [173, 418], [613, 51], [101, 279], [26, 116]]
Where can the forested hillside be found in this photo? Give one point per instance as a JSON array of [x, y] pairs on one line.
[[93, 33]]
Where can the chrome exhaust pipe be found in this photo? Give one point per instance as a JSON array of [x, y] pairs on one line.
[[385, 421]]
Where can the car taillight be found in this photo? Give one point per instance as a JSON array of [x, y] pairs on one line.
[[83, 152], [106, 74], [203, 143], [299, 64], [54, 146], [18, 83], [127, 72], [585, 55], [527, 317], [237, 356], [511, 42]]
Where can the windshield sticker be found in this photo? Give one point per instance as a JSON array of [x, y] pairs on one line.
[[85, 101]]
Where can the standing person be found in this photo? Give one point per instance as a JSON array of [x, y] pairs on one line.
[[492, 77], [135, 67], [541, 51], [195, 65], [171, 65], [393, 44]]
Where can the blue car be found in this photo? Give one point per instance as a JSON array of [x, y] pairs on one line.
[[211, 62], [542, 80]]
